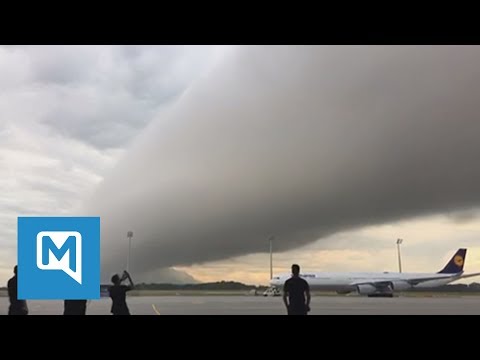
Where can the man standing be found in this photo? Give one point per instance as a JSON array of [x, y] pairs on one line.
[[297, 291], [118, 294], [17, 307], [75, 307]]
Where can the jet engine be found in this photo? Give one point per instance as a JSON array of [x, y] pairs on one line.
[[366, 289], [400, 285]]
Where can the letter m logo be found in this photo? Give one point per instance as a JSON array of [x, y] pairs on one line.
[[60, 250]]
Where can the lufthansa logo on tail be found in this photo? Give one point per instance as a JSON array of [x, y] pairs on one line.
[[458, 260]]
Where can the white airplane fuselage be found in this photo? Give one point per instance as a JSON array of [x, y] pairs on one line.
[[381, 283], [343, 281]]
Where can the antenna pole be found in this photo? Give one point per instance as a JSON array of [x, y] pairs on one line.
[[271, 257], [129, 236], [399, 241]]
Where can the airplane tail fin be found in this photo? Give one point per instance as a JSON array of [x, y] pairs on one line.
[[455, 265]]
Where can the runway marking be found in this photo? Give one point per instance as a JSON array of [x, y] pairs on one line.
[[155, 309]]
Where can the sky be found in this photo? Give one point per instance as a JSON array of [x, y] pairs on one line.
[[207, 151]]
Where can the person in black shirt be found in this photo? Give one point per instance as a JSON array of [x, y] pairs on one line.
[[297, 291], [118, 294], [75, 307], [17, 307]]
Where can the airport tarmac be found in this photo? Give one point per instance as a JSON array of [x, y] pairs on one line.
[[259, 305]]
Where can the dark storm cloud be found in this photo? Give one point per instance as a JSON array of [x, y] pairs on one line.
[[302, 142]]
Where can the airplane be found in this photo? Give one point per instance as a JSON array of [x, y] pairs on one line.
[[382, 284]]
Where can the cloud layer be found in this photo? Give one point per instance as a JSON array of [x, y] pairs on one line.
[[301, 142], [66, 115]]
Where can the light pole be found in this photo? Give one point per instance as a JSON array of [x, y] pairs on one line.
[[129, 236], [271, 256], [399, 241]]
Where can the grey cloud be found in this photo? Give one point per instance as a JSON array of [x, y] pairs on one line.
[[102, 95], [63, 64], [301, 141], [464, 216], [14, 69], [123, 104], [105, 120], [68, 111], [161, 73], [43, 176]]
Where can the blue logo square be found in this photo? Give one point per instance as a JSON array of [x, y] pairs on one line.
[[58, 258]]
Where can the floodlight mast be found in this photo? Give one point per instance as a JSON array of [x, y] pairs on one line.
[[129, 236]]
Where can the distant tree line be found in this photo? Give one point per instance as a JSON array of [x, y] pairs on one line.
[[212, 286], [233, 285]]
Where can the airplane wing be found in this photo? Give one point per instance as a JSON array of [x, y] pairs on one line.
[[416, 281], [469, 275], [379, 284], [382, 283]]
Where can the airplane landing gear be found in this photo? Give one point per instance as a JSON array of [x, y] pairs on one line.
[[389, 295]]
